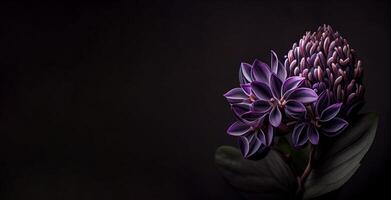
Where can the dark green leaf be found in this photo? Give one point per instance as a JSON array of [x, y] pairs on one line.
[[269, 177], [337, 161]]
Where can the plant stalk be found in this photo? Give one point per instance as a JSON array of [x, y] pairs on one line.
[[301, 179]]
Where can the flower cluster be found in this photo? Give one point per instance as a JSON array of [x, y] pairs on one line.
[[311, 94], [327, 61]]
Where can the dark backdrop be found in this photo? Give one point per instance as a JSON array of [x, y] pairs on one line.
[[124, 100]]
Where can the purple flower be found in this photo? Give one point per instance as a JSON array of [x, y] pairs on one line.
[[321, 119], [250, 127], [280, 96], [258, 71], [269, 91]]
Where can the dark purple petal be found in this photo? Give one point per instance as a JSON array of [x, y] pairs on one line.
[[235, 95], [295, 109], [287, 93], [250, 136], [281, 73], [275, 86], [260, 71], [303, 95], [294, 106], [254, 145], [250, 144], [334, 126], [299, 135], [261, 136], [240, 108], [261, 106], [252, 116], [245, 70], [312, 134], [246, 88], [274, 62], [244, 146], [269, 135], [261, 90], [237, 116], [330, 112], [275, 116], [321, 103], [242, 80], [291, 83], [238, 129], [277, 67]]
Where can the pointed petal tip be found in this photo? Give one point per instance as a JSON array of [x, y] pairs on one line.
[[303, 95], [245, 70], [261, 90], [260, 71], [238, 129], [235, 95], [275, 117], [291, 83], [313, 135], [330, 112], [275, 85], [334, 127], [299, 135]]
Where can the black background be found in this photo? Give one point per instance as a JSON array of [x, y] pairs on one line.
[[124, 100]]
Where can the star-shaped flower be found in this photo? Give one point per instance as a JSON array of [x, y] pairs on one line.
[[323, 119], [281, 95]]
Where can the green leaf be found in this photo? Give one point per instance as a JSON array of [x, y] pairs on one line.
[[269, 177], [337, 161]]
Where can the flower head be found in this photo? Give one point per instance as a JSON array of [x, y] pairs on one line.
[[326, 60], [251, 108], [321, 119], [278, 96]]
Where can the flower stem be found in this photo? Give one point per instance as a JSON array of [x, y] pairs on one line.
[[301, 179]]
